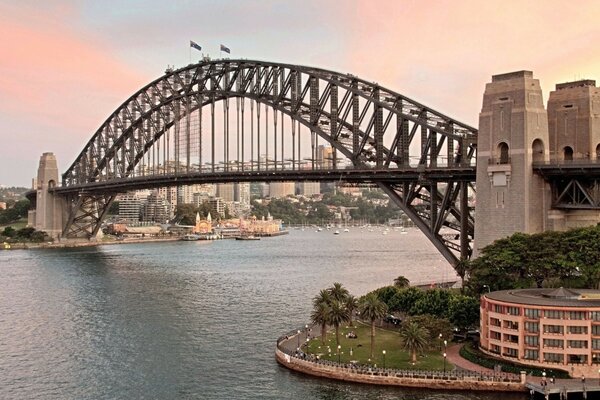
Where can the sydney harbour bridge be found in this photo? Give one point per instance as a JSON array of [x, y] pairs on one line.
[[244, 121]]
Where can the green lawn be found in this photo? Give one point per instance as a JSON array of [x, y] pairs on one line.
[[20, 224], [389, 341]]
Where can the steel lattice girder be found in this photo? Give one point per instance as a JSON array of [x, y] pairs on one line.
[[354, 126], [115, 149]]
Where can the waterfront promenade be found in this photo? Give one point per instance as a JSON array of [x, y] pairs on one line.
[[467, 377]]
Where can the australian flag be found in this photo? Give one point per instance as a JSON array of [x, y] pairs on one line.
[[225, 49], [195, 45]]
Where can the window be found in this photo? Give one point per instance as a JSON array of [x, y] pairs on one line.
[[554, 329], [495, 335], [497, 308], [576, 314], [511, 352], [596, 330], [577, 359], [553, 357], [596, 344], [595, 315], [532, 341], [494, 322], [555, 343], [532, 354], [532, 313], [537, 149], [568, 152], [511, 338], [513, 310], [532, 326], [577, 344], [577, 330], [503, 153], [511, 325], [553, 314], [495, 349]]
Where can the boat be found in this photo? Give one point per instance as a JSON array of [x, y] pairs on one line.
[[346, 230], [319, 229], [336, 232], [249, 237], [190, 237]]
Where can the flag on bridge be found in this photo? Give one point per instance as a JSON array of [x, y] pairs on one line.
[[225, 49], [195, 45]]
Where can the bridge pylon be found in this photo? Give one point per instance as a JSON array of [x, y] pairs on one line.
[[513, 133], [49, 211]]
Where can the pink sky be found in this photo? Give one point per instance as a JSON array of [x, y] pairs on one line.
[[66, 66]]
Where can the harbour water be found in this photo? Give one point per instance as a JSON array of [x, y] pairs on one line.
[[190, 320]]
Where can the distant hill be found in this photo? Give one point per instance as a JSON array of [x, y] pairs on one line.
[[12, 194]]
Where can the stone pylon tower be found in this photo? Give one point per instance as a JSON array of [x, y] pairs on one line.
[[50, 209], [513, 133]]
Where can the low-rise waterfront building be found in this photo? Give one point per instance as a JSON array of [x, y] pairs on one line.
[[552, 328]]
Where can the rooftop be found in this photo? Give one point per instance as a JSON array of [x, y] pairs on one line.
[[549, 297]]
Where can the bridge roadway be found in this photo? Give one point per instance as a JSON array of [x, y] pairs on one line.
[[390, 176]]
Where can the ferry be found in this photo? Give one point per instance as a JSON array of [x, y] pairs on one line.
[[249, 237], [190, 237]]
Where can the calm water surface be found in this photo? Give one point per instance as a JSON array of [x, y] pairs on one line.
[[189, 320]]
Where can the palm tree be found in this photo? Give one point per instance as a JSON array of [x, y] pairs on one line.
[[372, 309], [324, 296], [351, 304], [320, 316], [338, 314], [338, 291], [401, 282], [413, 338]]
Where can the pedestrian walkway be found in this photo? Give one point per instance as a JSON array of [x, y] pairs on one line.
[[454, 357]]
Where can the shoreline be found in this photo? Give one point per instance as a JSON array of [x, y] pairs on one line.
[[68, 243], [289, 356], [401, 378], [83, 243]]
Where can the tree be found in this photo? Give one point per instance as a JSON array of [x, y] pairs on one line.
[[372, 309], [413, 338], [338, 314], [404, 299], [9, 231], [351, 304], [186, 214], [338, 291], [438, 328], [463, 311], [320, 316], [401, 282], [434, 301]]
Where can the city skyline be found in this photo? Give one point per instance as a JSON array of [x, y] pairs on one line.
[[67, 66]]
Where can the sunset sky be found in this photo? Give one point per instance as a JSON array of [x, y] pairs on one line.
[[65, 66]]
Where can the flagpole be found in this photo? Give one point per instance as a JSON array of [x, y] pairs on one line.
[[190, 53]]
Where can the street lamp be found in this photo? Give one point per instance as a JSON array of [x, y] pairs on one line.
[[307, 343], [445, 363], [599, 377], [440, 340], [488, 288], [298, 339], [383, 359], [339, 348]]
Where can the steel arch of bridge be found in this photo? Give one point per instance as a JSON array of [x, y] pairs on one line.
[[376, 129]]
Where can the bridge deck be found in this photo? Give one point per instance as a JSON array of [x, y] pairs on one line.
[[466, 173]]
